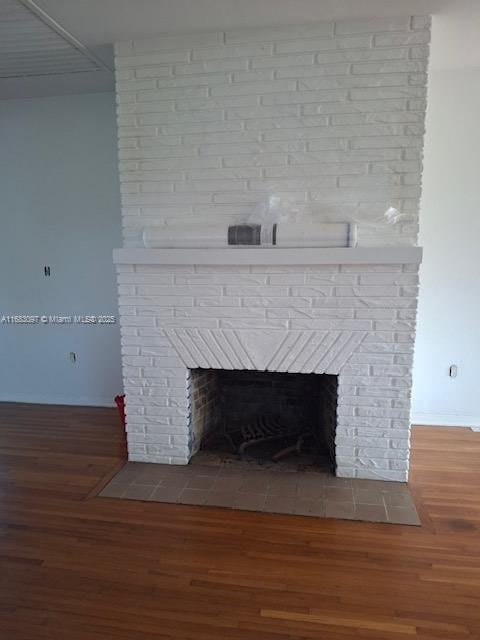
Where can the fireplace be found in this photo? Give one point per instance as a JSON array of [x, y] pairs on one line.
[[347, 313], [263, 415], [326, 121]]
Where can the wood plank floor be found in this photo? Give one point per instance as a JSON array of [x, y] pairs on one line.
[[73, 567]]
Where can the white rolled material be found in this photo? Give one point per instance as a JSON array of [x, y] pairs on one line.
[[313, 234], [283, 234], [192, 236]]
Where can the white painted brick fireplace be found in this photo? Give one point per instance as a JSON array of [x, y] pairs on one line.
[[326, 116]]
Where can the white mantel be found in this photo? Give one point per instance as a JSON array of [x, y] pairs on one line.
[[270, 256]]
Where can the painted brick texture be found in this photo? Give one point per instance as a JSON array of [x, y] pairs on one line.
[[328, 116], [355, 321]]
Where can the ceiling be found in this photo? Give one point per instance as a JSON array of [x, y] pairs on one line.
[[38, 56], [96, 23], [30, 46], [101, 21]]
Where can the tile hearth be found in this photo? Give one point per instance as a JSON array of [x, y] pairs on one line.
[[239, 485]]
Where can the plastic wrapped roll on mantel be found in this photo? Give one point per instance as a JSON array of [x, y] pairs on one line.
[[183, 236], [284, 234], [311, 234]]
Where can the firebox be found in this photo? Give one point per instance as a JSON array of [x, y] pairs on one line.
[[264, 415]]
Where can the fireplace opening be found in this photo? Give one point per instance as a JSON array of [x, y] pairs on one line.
[[264, 417]]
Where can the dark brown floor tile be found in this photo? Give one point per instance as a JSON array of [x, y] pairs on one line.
[[338, 483], [205, 470], [280, 504], [166, 494], [309, 507], [310, 487], [250, 501], [194, 496], [318, 471], [177, 470], [395, 487], [256, 482], [127, 473], [398, 500], [280, 468], [403, 515], [221, 498], [317, 479], [206, 458], [381, 486], [200, 482], [342, 510], [339, 494], [139, 492], [175, 481], [283, 484], [229, 483], [134, 466], [154, 474], [229, 471], [368, 496], [114, 490], [370, 512], [374, 485], [311, 493]]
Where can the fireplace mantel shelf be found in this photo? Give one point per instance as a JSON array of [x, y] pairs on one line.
[[270, 256]]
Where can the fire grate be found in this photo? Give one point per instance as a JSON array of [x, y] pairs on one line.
[[267, 429]]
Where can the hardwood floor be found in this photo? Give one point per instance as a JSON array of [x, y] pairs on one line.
[[75, 567]]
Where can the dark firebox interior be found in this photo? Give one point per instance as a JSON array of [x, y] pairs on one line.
[[265, 415]]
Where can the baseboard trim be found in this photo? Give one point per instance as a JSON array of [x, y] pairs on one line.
[[445, 420], [77, 401]]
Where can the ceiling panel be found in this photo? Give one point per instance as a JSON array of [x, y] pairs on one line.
[[32, 44], [455, 34]]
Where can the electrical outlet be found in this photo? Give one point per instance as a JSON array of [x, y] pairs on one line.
[[73, 356], [452, 371], [46, 271]]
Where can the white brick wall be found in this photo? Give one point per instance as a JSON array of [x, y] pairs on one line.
[[358, 321], [329, 116]]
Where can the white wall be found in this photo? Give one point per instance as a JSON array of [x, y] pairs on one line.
[[59, 206], [449, 305]]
